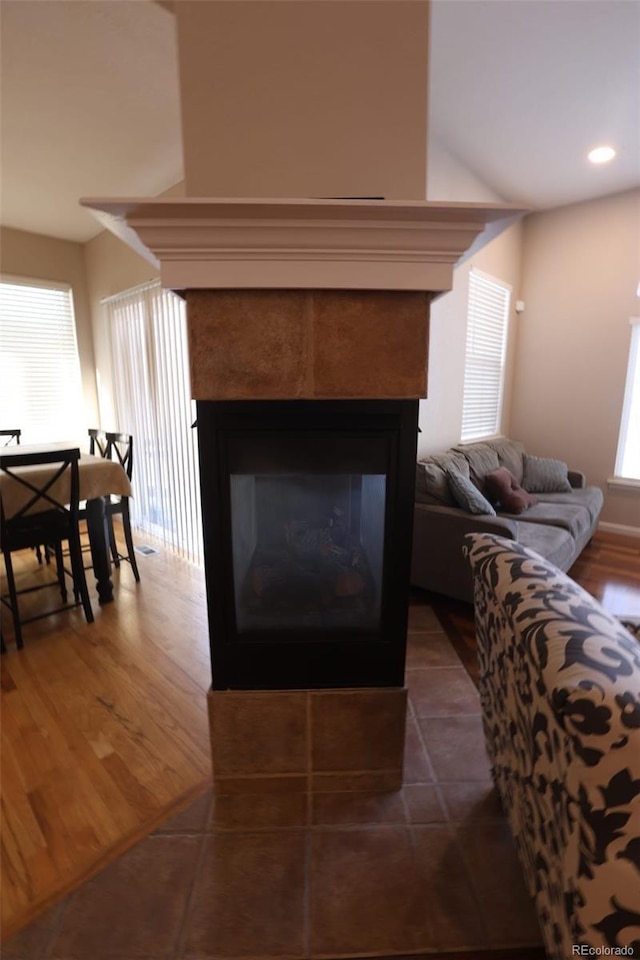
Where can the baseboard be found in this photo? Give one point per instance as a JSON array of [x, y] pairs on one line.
[[622, 528]]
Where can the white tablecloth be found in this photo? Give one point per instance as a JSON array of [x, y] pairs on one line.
[[97, 478]]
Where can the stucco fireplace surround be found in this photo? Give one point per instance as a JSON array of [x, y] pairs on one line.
[[308, 334]]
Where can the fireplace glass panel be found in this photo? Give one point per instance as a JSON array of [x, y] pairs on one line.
[[307, 514], [307, 550]]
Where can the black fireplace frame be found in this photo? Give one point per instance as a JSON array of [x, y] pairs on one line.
[[266, 660]]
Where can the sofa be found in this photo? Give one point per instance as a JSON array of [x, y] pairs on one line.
[[547, 507], [560, 697]]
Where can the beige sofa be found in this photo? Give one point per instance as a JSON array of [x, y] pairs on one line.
[[559, 687], [557, 527]]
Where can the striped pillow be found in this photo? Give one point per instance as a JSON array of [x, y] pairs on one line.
[[545, 475], [466, 494]]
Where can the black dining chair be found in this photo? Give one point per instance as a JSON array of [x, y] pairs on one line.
[[120, 448], [46, 512], [98, 447], [98, 443], [8, 437]]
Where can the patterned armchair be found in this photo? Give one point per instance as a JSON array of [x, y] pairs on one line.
[[560, 692]]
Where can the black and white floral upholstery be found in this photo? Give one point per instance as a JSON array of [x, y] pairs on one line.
[[560, 692]]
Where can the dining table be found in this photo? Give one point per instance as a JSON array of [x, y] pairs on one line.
[[98, 478]]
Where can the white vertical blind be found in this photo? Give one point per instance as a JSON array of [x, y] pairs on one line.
[[40, 381], [153, 403], [628, 456], [487, 323]]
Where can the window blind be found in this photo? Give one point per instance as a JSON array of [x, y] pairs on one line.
[[628, 456], [40, 380], [153, 403], [487, 323]]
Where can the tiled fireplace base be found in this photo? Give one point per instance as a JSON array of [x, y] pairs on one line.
[[309, 741]]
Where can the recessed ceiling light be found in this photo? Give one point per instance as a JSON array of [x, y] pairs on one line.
[[602, 154]]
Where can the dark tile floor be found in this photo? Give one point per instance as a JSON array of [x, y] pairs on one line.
[[287, 875]]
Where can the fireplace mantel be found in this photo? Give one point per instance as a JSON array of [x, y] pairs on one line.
[[217, 243]]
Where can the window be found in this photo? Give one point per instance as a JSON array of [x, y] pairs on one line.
[[40, 382], [628, 458], [153, 403], [487, 323]]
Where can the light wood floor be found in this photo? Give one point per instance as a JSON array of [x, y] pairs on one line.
[[609, 569], [105, 730]]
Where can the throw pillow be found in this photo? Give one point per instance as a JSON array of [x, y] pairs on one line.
[[503, 488], [467, 495], [545, 475], [431, 477]]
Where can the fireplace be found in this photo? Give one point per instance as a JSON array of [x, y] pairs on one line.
[[308, 330], [307, 512]]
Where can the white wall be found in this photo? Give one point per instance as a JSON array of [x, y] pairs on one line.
[[581, 270], [47, 258], [111, 267], [441, 412], [309, 99], [449, 179]]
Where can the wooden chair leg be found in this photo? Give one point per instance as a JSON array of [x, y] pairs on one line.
[[112, 542], [79, 577], [13, 599], [126, 523], [60, 571]]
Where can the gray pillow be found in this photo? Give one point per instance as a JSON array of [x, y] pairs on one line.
[[466, 494], [431, 477], [511, 455], [545, 475]]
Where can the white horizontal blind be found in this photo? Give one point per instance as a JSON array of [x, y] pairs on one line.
[[153, 403], [487, 322], [628, 456], [40, 381]]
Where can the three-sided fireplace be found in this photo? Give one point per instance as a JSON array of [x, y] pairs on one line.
[[308, 330], [307, 512]]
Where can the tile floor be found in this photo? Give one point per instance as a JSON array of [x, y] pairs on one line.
[[332, 875]]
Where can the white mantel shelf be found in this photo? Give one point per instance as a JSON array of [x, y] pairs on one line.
[[213, 243]]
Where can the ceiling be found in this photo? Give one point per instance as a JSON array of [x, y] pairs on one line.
[[89, 101], [544, 81]]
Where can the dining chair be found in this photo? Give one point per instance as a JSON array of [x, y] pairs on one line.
[[98, 447], [43, 509], [120, 448], [98, 443], [7, 437]]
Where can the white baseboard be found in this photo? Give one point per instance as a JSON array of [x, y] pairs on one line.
[[621, 528]]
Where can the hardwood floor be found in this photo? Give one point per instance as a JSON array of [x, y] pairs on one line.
[[105, 728], [608, 569]]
